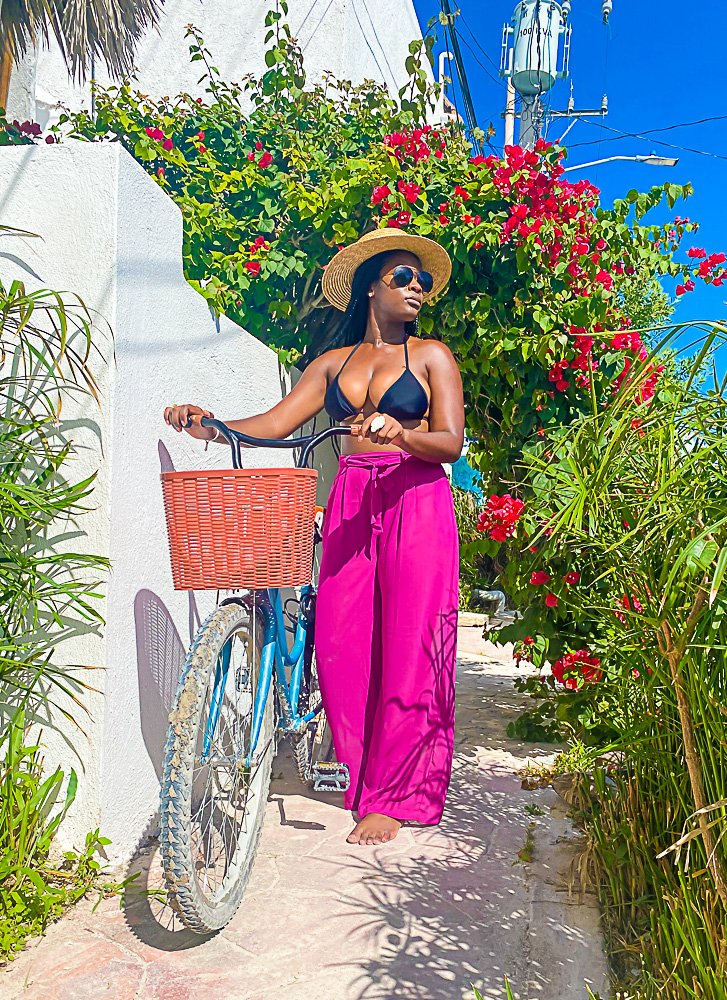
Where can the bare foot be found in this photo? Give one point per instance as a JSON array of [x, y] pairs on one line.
[[374, 829]]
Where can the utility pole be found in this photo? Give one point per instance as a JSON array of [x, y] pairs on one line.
[[529, 62], [510, 107]]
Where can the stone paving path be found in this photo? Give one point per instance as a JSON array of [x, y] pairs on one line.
[[424, 918]]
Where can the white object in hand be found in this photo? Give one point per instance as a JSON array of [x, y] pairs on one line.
[[377, 423]]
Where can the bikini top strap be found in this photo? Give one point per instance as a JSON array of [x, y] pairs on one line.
[[349, 357], [406, 352]]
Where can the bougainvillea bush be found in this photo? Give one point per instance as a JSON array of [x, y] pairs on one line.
[[273, 174]]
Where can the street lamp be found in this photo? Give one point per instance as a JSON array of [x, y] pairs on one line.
[[653, 159]]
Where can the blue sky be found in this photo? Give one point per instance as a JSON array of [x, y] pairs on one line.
[[661, 64]]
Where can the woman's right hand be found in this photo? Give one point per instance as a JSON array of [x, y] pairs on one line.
[[178, 418]]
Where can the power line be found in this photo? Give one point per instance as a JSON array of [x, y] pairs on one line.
[[649, 133], [484, 52], [464, 85], [665, 128], [480, 63]]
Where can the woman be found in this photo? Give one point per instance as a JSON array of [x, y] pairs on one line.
[[386, 621]]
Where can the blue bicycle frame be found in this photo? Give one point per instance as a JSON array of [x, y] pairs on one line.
[[276, 656]]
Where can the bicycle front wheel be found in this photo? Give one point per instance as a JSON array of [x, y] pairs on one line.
[[213, 798]]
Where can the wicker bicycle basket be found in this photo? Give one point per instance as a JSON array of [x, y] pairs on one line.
[[240, 528]]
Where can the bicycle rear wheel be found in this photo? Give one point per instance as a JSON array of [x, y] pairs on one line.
[[212, 803]]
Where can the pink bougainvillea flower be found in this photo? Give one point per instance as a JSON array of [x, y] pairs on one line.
[[155, 133], [393, 223], [251, 157], [50, 139], [168, 145], [410, 191], [696, 252], [500, 516], [380, 193], [404, 218], [461, 193], [572, 577], [161, 172], [539, 577], [443, 220], [551, 600], [605, 279], [265, 160], [253, 267], [680, 289], [259, 146]]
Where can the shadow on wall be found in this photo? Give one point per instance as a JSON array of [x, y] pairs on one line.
[[160, 656]]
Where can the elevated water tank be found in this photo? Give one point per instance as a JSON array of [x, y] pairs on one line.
[[538, 25]]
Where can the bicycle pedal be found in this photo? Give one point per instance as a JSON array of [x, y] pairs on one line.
[[330, 776]]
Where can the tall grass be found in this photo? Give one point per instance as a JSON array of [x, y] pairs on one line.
[[643, 496]]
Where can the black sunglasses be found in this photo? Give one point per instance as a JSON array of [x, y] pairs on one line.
[[403, 275]]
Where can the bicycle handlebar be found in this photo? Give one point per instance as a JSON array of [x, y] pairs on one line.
[[236, 438]]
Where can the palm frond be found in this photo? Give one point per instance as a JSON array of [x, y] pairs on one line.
[[84, 29]]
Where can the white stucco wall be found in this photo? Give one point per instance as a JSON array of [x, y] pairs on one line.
[[111, 235], [355, 39]]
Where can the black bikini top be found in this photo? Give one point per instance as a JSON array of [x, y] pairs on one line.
[[405, 399]]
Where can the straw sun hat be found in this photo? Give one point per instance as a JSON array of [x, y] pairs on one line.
[[338, 276]]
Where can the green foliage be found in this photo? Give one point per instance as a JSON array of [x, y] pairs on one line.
[[273, 174], [635, 501], [46, 590], [33, 889], [47, 593]]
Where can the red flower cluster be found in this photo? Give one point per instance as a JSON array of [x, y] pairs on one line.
[[399, 220], [706, 270], [570, 669], [265, 160], [28, 127], [410, 191], [380, 193], [630, 604], [416, 145], [538, 577], [500, 516], [260, 243], [154, 133]]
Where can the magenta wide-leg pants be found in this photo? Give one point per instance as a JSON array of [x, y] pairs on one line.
[[386, 632]]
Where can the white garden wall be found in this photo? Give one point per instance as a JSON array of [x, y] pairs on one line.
[[111, 235], [355, 39]]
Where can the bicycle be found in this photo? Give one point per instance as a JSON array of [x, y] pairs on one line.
[[243, 686]]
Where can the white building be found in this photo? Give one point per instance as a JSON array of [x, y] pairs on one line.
[[355, 39], [111, 235]]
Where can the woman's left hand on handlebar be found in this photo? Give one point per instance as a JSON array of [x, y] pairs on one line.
[[179, 417], [390, 432]]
